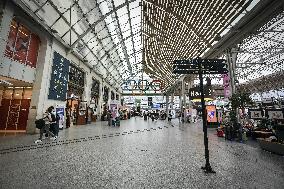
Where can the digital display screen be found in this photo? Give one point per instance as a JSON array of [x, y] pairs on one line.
[[211, 114]]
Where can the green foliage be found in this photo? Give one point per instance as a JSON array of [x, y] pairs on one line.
[[240, 100]]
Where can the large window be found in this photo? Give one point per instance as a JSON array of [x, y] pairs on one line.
[[22, 44]]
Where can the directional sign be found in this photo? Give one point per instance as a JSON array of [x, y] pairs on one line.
[[192, 71], [191, 66]]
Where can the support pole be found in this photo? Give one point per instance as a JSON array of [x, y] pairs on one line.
[[207, 168], [167, 104], [172, 101], [183, 102]]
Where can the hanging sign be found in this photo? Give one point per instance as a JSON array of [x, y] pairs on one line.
[[226, 85]]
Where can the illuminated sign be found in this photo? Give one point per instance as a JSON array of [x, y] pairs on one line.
[[211, 113], [194, 93], [142, 85]]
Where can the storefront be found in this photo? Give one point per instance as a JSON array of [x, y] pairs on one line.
[[17, 74], [94, 102], [76, 108], [105, 102], [14, 108]]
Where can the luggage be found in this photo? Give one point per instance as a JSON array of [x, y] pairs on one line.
[[220, 133]]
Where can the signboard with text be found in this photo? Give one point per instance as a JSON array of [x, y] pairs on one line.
[[194, 93], [59, 78]]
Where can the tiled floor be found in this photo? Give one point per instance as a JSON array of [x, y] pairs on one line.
[[138, 154]]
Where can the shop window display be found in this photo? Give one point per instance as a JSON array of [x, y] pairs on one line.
[[22, 45], [106, 92], [75, 106], [76, 76], [95, 91], [14, 108], [112, 95], [95, 94]]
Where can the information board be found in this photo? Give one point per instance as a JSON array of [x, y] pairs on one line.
[[59, 78]]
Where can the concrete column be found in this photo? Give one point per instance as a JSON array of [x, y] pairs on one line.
[[100, 103], [7, 17], [172, 100], [183, 102], [87, 87], [231, 59], [109, 96], [167, 104], [190, 85], [99, 107], [41, 85]]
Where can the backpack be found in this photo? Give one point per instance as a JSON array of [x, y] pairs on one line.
[[55, 118], [39, 123]]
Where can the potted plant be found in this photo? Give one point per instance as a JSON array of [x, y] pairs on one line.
[[238, 101]]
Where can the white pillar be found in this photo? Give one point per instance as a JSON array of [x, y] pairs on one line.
[[172, 100], [231, 59], [41, 84], [183, 102], [167, 104], [88, 87], [7, 17]]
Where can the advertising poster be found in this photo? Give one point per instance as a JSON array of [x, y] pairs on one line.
[[255, 113], [211, 114], [226, 85], [60, 112], [274, 114]]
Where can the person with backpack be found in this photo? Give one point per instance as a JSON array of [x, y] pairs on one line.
[[46, 126]]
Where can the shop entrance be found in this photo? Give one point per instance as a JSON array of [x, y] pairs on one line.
[[14, 108]]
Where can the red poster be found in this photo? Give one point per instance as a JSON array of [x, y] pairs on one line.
[[11, 39], [33, 51], [22, 44]]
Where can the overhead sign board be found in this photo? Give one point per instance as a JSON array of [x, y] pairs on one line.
[[209, 66]]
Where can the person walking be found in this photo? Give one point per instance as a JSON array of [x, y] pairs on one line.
[[55, 122], [170, 116], [109, 117], [179, 116], [48, 122]]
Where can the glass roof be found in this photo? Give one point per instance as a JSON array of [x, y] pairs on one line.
[[106, 33], [125, 39], [180, 29], [262, 53]]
